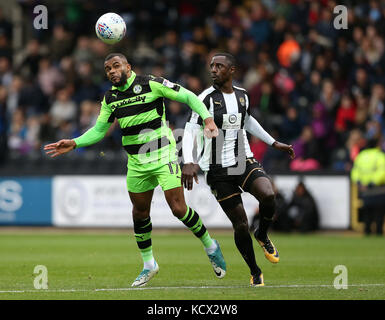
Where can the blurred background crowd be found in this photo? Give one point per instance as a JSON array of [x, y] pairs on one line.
[[310, 85]]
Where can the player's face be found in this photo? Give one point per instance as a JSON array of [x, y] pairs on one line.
[[117, 70], [220, 70]]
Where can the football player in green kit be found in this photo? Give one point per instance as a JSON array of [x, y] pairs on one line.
[[137, 102]]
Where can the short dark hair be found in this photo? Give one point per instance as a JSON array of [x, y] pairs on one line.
[[115, 54], [229, 57]]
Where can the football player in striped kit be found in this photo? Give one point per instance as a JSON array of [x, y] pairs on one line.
[[228, 162], [137, 103]]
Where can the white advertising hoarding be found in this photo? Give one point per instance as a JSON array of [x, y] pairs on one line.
[[103, 201], [331, 194]]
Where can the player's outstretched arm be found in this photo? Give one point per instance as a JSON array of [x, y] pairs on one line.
[[253, 126], [90, 137], [60, 147], [285, 148]]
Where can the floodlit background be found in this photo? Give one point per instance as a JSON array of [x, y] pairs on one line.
[[310, 84]]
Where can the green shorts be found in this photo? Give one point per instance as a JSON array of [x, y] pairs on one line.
[[168, 176]]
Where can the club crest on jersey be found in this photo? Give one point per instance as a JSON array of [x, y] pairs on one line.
[[137, 89], [242, 101]]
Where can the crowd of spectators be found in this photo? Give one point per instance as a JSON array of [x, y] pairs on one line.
[[310, 85]]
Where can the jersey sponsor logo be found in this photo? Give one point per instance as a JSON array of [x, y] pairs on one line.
[[242, 101], [137, 89], [232, 121], [128, 101], [232, 118]]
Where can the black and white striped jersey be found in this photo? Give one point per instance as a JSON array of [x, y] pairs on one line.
[[229, 112]]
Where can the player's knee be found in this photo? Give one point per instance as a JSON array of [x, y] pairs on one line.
[[140, 213], [268, 199], [241, 227], [178, 208], [232, 206], [238, 218]]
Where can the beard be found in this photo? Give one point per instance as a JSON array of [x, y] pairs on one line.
[[122, 81], [220, 81]]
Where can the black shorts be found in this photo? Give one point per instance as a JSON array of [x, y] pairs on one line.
[[227, 188]]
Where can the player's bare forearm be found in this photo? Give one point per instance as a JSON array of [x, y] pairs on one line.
[[210, 130], [285, 148], [60, 147]]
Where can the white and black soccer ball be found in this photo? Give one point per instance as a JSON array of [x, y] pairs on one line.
[[110, 28]]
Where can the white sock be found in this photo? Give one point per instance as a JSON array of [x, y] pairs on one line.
[[150, 264], [212, 248]]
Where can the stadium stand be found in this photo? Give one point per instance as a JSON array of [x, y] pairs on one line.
[[321, 89]]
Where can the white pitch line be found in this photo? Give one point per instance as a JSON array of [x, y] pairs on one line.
[[189, 287]]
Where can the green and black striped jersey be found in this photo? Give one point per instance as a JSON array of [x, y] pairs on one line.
[[139, 109]]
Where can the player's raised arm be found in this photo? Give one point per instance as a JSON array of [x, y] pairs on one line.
[[178, 93], [90, 137]]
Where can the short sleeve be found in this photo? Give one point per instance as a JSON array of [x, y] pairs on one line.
[[195, 118]]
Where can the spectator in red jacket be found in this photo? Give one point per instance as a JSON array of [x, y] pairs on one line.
[[346, 113]]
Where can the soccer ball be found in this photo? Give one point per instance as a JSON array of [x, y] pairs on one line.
[[110, 28]]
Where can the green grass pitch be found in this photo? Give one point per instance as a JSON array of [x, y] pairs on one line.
[[102, 265]]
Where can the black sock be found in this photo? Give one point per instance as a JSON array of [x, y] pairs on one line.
[[266, 210], [244, 244], [142, 230]]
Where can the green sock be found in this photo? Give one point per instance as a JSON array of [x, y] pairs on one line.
[[147, 254], [192, 221]]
